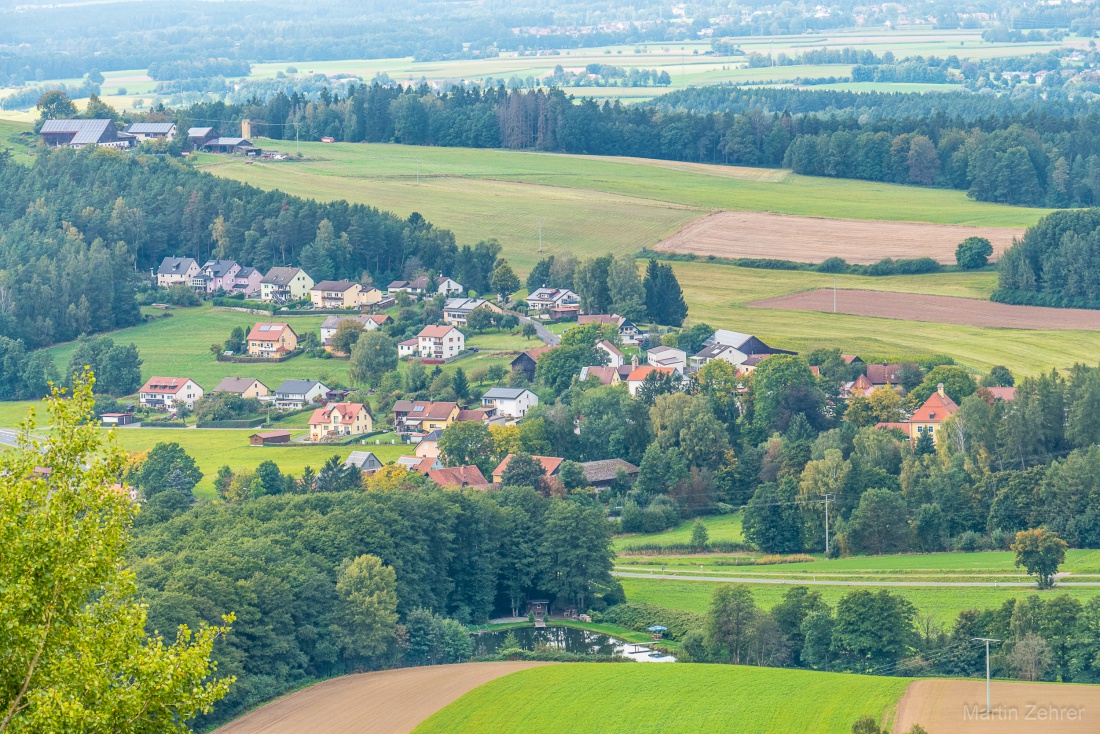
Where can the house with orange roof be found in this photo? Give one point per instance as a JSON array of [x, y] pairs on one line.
[[459, 477], [551, 464], [860, 387], [270, 341], [340, 419], [168, 393], [928, 418], [440, 342], [637, 376]]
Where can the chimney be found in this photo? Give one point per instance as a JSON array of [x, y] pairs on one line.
[[634, 362], [939, 389]]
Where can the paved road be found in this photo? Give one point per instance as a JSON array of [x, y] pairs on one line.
[[7, 437], [823, 582], [551, 339]]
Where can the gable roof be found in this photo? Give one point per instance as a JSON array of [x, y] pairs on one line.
[[175, 265], [884, 374], [199, 132], [334, 285], [464, 305], [605, 344], [281, 276], [640, 373], [533, 354], [604, 374], [297, 387], [333, 322], [361, 458], [1008, 394], [84, 131], [601, 318], [150, 128], [504, 393], [936, 409], [433, 331], [419, 283], [713, 351], [218, 268], [550, 463], [165, 384], [236, 384], [607, 469], [458, 476], [264, 331], [245, 272], [231, 142], [423, 409], [348, 412], [471, 414]]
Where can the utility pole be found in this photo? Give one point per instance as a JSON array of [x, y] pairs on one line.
[[828, 498], [986, 640]]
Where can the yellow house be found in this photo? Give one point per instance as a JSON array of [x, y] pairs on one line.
[[419, 416], [340, 419], [343, 294], [930, 416], [271, 340]]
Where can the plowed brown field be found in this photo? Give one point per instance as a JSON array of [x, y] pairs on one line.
[[813, 239], [386, 702], [937, 309], [958, 707]]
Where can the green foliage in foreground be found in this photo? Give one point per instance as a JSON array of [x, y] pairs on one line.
[[669, 699]]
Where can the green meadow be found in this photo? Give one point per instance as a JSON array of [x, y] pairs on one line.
[[669, 699], [719, 528]]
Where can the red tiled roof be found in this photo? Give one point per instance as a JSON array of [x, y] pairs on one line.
[[348, 413], [893, 426], [534, 354], [640, 373], [1008, 394], [458, 476], [604, 374], [936, 409], [549, 463], [471, 414], [165, 384], [268, 332], [435, 331], [884, 374]]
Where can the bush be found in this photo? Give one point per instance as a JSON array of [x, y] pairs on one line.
[[639, 617], [970, 542], [917, 266], [833, 265], [973, 253]]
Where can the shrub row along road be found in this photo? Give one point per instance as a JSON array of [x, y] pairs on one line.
[[386, 702]]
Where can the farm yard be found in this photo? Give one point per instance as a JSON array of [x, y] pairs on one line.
[[812, 240], [936, 309]]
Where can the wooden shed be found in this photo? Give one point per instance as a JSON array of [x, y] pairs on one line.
[[266, 438]]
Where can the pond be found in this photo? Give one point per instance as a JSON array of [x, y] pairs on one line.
[[569, 639]]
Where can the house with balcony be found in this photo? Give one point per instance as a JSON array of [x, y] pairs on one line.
[[216, 275], [247, 281], [509, 402], [343, 294], [340, 419], [169, 393], [284, 285], [176, 271], [455, 310], [421, 416], [271, 340], [440, 342], [297, 394]]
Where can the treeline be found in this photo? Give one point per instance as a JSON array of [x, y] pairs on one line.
[[325, 583], [1032, 155], [172, 70], [79, 229], [1057, 261]]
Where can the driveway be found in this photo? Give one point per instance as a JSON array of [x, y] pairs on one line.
[[551, 339]]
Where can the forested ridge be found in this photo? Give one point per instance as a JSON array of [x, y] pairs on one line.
[[1029, 152], [80, 230]]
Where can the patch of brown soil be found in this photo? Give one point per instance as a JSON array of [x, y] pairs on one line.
[[958, 707], [814, 239], [937, 309], [386, 702]]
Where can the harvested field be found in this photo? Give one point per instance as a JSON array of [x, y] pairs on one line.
[[387, 702], [958, 706], [814, 239], [937, 309]]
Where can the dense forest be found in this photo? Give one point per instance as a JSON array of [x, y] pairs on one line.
[[1006, 150], [1056, 263], [77, 228]]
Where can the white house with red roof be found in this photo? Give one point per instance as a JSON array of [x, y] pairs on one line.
[[637, 376], [340, 419], [168, 393], [440, 342]]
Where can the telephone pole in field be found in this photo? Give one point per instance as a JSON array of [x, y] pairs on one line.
[[986, 640]]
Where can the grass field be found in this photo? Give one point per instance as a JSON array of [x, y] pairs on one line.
[[639, 699], [719, 527]]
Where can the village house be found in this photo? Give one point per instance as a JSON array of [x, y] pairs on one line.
[[269, 438], [733, 347], [418, 464], [752, 362], [78, 134], [602, 474], [428, 446], [440, 342], [340, 419], [142, 131], [637, 376], [459, 477], [247, 281], [216, 275], [297, 394], [928, 418], [246, 387], [544, 300], [176, 271], [627, 329], [232, 146], [270, 341], [168, 393], [884, 375], [369, 322], [364, 461], [510, 402], [615, 358], [605, 375], [527, 361], [448, 287], [284, 285], [343, 294], [200, 136], [415, 287], [117, 419], [667, 357], [455, 310], [422, 416], [408, 348], [550, 464], [860, 387], [477, 415]]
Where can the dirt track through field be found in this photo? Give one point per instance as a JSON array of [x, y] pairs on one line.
[[386, 702], [814, 239], [958, 706], [937, 309]]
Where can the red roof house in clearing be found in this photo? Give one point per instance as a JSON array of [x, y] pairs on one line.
[[550, 463], [459, 476]]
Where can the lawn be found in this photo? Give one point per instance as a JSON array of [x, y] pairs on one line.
[[212, 449], [639, 699], [719, 527]]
